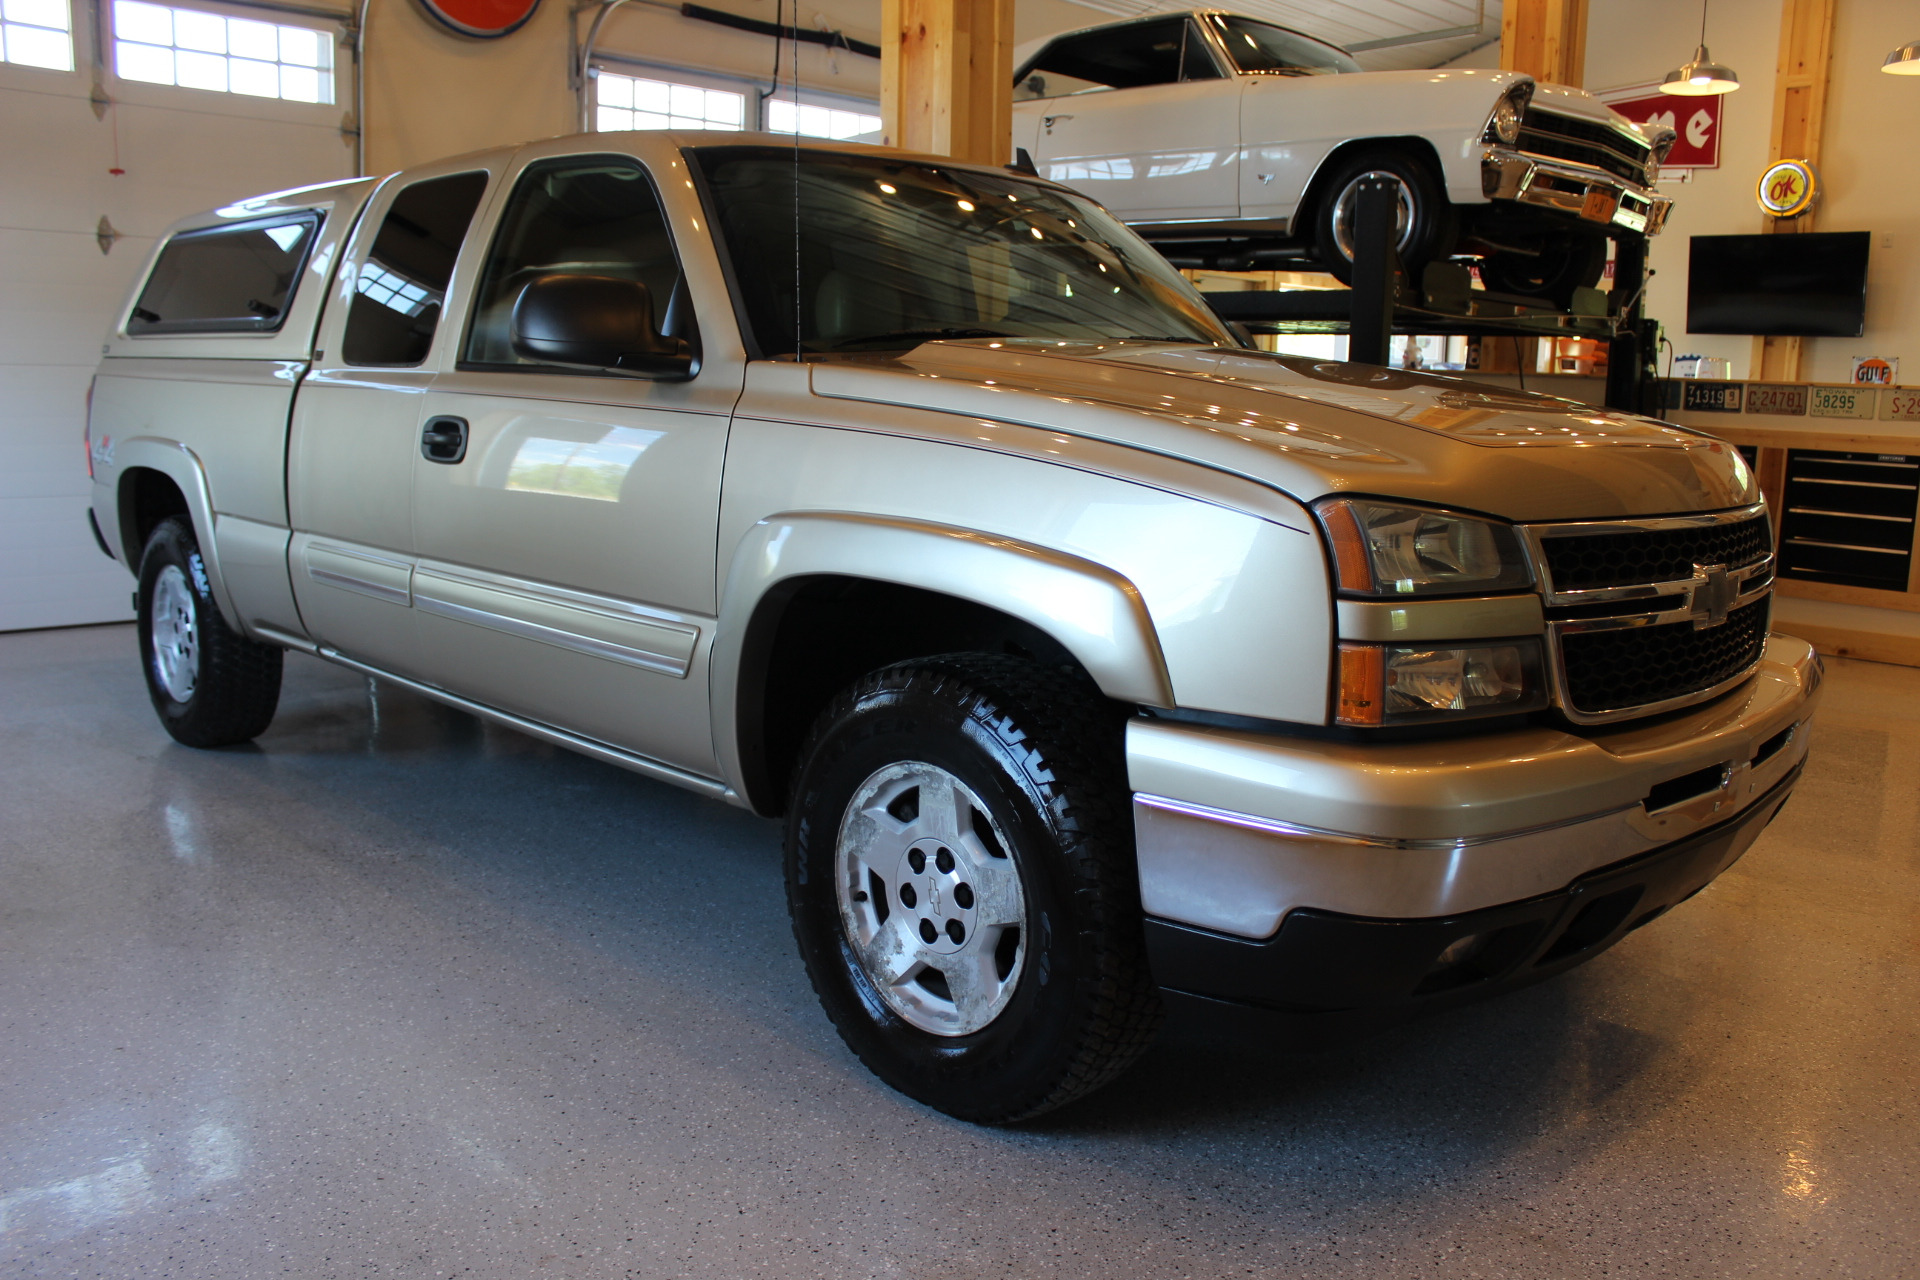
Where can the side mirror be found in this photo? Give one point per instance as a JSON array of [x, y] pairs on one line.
[[603, 322]]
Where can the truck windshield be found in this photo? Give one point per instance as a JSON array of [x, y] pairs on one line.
[[841, 252]]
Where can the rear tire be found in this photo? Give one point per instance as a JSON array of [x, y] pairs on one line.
[[961, 879], [211, 685], [1428, 223]]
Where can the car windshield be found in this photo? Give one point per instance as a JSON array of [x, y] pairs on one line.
[[1258, 48], [892, 253]]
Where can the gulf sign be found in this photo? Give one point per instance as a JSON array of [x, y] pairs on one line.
[[1695, 120], [482, 19]]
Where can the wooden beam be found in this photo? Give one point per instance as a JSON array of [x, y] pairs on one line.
[[1547, 39], [946, 77], [1799, 112]]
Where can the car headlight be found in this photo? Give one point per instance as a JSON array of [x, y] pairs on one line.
[[1505, 124], [1390, 549], [1390, 684]]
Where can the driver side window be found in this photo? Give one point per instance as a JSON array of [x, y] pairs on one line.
[[576, 215], [1165, 51]]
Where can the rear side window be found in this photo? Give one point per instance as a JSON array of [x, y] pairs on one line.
[[237, 279], [402, 285]]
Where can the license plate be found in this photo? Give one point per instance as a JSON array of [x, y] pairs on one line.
[[1599, 206]]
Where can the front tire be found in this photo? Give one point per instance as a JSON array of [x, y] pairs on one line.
[[211, 686], [961, 880], [1427, 223]]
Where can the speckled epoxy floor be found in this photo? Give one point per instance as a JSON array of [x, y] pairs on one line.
[[395, 994]]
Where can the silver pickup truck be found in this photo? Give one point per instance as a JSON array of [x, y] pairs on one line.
[[1094, 661]]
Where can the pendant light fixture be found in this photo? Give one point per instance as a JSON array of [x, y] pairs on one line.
[[1904, 61], [1702, 77]]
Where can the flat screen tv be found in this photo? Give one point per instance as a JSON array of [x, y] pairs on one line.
[[1813, 284]]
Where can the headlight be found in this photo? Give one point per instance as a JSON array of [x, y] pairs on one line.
[[1505, 124], [1386, 549], [1384, 684]]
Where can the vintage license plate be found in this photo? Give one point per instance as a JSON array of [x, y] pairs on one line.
[[1599, 206], [1841, 402], [1900, 404], [1785, 401], [1711, 397]]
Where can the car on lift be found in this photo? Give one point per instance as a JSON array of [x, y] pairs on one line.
[[1236, 144]]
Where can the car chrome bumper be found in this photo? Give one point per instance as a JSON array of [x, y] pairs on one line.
[[1238, 830], [1581, 192]]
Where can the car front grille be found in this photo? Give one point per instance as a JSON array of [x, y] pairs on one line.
[[1610, 671], [1584, 142], [1589, 562]]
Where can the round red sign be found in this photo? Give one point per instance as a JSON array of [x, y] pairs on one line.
[[486, 19]]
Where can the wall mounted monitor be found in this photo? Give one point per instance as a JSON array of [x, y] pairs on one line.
[[1811, 284]]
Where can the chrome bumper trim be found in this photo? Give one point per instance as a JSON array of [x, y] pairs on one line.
[[1566, 188]]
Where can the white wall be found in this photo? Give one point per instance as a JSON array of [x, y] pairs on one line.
[[1637, 41], [1872, 126], [182, 150]]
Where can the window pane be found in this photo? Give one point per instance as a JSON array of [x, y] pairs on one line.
[[39, 13], [259, 79], [303, 84], [143, 62], [204, 32], [301, 47], [227, 280], [612, 120], [399, 289], [200, 70], [147, 23], [614, 91], [595, 215], [259, 40], [38, 47], [649, 95]]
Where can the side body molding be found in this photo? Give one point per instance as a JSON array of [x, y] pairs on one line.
[[1093, 612]]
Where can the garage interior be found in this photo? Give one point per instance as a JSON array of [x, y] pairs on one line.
[[399, 991]]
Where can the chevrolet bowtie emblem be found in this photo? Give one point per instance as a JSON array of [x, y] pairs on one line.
[[1711, 595]]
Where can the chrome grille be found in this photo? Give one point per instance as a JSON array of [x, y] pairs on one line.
[[1645, 616], [1584, 142], [1615, 670], [1582, 562]]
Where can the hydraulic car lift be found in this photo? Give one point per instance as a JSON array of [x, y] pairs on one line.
[[1383, 302]]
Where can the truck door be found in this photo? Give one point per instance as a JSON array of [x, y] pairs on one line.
[[565, 517], [356, 419], [1141, 118]]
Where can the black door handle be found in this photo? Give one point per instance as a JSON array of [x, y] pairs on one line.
[[444, 439]]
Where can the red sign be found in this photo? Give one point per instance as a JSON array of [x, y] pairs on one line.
[[486, 19], [1695, 120]]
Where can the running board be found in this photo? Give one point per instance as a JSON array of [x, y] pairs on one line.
[[533, 728]]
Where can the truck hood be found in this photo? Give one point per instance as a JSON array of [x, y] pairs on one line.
[[1310, 428]]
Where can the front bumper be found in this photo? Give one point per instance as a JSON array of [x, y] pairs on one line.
[[1337, 967], [1239, 834], [1592, 195]]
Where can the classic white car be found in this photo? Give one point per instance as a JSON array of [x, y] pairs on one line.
[[1234, 143]]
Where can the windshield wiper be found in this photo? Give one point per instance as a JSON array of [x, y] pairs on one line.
[[1148, 337], [913, 337]]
